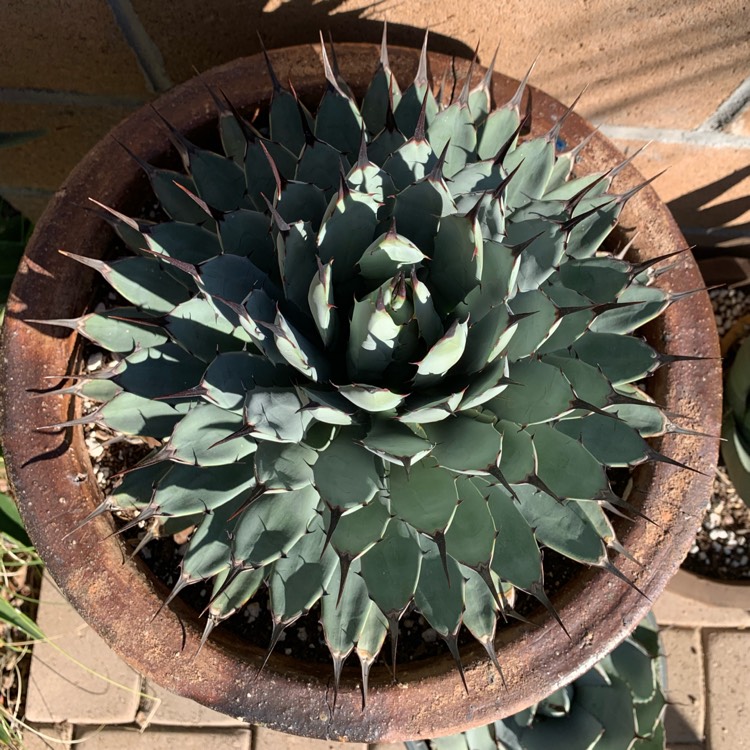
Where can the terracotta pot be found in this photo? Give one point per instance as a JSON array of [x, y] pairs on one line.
[[53, 479], [734, 594], [718, 593]]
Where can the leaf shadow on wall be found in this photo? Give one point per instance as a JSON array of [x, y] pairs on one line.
[[706, 221]]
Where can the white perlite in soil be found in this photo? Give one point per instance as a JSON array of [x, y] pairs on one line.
[[722, 546], [729, 305]]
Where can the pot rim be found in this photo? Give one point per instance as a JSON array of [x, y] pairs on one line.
[[52, 478], [719, 593]]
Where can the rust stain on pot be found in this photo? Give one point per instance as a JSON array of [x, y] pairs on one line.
[[292, 697]]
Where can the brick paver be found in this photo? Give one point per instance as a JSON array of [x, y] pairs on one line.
[[61, 690], [267, 739], [686, 710], [56, 737], [728, 717], [174, 710], [130, 738]]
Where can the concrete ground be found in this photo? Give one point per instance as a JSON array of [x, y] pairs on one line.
[[708, 662]]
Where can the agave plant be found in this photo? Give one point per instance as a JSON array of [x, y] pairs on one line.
[[386, 357], [618, 704], [735, 448]]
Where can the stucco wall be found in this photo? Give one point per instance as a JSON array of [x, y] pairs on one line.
[[674, 72]]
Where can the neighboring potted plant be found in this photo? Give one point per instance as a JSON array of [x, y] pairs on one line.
[[717, 571], [619, 702], [426, 318]]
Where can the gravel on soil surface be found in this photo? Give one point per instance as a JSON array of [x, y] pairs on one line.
[[722, 545]]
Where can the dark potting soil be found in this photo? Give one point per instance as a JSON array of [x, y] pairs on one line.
[[304, 638]]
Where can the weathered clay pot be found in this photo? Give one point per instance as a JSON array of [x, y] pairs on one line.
[[733, 594], [51, 473], [727, 271]]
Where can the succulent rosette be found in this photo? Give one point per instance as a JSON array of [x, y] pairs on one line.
[[385, 354], [618, 704]]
